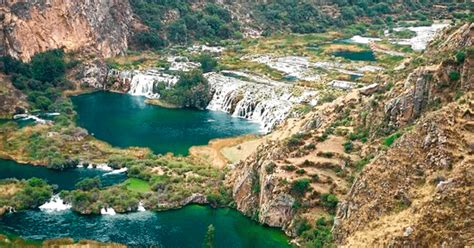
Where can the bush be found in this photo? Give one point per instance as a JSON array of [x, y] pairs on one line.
[[348, 146], [300, 172], [391, 139], [89, 184], [460, 57], [289, 167], [191, 91], [149, 40], [329, 201], [301, 225], [300, 187], [208, 63], [454, 75], [270, 167], [48, 66], [34, 193], [41, 79], [321, 236]]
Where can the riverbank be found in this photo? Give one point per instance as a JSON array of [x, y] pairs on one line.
[[161, 103], [221, 152]]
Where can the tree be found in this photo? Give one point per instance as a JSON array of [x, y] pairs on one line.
[[210, 236], [89, 184], [146, 40], [208, 63], [48, 66], [177, 32], [300, 186]]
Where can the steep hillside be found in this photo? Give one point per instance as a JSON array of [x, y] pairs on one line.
[[29, 27], [298, 175], [419, 191]]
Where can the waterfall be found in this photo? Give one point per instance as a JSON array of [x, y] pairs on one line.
[[141, 208], [115, 172], [55, 204], [142, 83], [261, 100], [107, 211]]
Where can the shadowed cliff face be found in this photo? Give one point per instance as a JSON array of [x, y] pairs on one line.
[[29, 27]]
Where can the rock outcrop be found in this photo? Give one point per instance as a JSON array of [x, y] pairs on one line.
[[29, 27], [418, 193], [256, 190], [12, 101]]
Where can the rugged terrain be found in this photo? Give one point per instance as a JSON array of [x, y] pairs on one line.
[[386, 162], [29, 27], [390, 201]]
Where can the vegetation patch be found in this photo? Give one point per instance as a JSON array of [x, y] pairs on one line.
[[387, 142], [137, 185]]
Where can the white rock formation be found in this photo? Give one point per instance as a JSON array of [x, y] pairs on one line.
[[180, 63], [340, 84], [293, 66]]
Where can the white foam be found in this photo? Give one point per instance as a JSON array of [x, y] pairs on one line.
[[141, 208], [107, 211], [363, 40], [424, 35], [55, 204], [142, 83], [267, 103], [103, 167], [115, 172]]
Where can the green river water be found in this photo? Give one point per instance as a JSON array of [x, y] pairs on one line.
[[123, 121]]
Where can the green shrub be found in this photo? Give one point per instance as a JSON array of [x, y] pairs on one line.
[[391, 139], [89, 184], [300, 172], [329, 201], [42, 78], [270, 167], [289, 167], [326, 154], [300, 187], [348, 146], [34, 193], [208, 62], [191, 91], [149, 40], [454, 75], [321, 235], [460, 57], [301, 225]]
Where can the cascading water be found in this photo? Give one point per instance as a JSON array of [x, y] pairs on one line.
[[142, 83], [244, 95], [264, 101], [107, 211], [55, 204]]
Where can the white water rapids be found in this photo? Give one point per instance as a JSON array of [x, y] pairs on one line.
[[55, 204]]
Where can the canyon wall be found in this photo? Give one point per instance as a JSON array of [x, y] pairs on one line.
[[29, 27]]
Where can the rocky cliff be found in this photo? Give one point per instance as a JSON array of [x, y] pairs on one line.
[[414, 191], [417, 192], [29, 27]]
